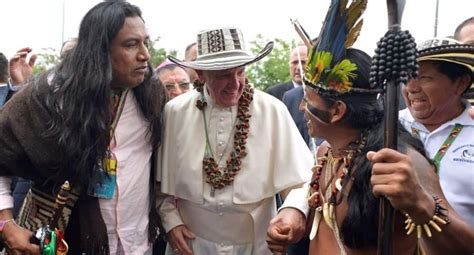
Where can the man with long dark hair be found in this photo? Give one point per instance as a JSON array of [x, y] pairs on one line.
[[94, 121]]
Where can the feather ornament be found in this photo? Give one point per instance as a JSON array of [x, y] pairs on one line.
[[320, 65], [325, 67]]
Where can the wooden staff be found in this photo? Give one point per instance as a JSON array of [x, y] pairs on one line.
[[386, 211]]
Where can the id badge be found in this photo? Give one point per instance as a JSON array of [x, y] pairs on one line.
[[103, 182]]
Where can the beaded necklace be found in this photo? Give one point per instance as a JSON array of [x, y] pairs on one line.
[[329, 197], [445, 146], [214, 176]]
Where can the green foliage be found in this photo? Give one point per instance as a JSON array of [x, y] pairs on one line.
[[158, 55], [274, 68], [45, 60]]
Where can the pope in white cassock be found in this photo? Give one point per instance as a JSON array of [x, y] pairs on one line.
[[227, 150]]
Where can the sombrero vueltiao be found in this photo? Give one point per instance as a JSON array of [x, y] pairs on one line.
[[221, 49], [447, 49]]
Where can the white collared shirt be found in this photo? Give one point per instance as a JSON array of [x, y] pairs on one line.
[[126, 214], [456, 171], [295, 85]]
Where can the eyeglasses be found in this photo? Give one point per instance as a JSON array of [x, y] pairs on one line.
[[175, 87]]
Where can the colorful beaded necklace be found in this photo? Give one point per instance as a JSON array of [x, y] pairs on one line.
[[445, 146], [329, 197], [214, 176]]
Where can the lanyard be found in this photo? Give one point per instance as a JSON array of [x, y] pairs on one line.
[[445, 146], [117, 104]]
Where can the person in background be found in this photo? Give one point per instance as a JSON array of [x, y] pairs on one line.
[[465, 31], [298, 57], [21, 72], [67, 47], [5, 91], [292, 99], [21, 68], [93, 120], [173, 77], [176, 81], [465, 34], [190, 54], [218, 182]]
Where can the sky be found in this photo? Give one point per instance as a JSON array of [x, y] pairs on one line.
[[43, 24]]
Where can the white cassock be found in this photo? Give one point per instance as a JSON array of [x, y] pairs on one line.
[[235, 219]]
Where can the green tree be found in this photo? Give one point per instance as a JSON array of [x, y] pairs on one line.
[[158, 55], [45, 60], [273, 69]]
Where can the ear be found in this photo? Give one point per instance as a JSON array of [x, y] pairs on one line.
[[337, 110], [200, 74], [462, 83]]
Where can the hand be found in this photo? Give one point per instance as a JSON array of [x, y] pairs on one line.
[[395, 177], [20, 70], [177, 239], [17, 240], [286, 228]]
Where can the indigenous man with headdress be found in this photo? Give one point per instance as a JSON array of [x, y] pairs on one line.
[[219, 181], [342, 107], [93, 120], [438, 115]]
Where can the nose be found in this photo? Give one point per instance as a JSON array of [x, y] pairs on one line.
[[302, 106], [143, 54], [234, 81], [178, 91], [175, 91]]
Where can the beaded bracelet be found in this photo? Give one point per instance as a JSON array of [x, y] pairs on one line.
[[439, 217]]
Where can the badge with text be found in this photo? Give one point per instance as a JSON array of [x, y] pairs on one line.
[[103, 182]]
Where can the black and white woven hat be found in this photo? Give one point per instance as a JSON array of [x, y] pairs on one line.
[[222, 49], [447, 49]]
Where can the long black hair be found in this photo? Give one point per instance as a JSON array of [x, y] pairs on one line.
[[365, 112], [79, 87]]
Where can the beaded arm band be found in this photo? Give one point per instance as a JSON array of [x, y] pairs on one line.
[[439, 217]]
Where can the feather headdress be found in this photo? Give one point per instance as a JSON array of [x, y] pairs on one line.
[[326, 67]]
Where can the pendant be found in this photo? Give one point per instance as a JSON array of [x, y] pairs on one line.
[[331, 212], [315, 225], [338, 184], [326, 215]]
